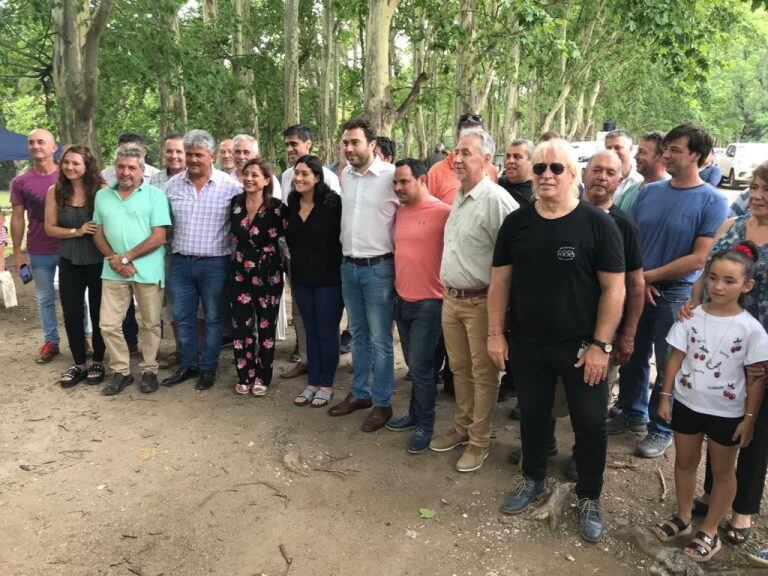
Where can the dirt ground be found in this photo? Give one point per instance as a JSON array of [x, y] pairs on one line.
[[186, 483]]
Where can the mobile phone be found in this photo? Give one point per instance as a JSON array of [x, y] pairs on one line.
[[25, 274], [582, 349]]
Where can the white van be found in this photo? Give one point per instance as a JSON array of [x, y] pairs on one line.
[[739, 161]]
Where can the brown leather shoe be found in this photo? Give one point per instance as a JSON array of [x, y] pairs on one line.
[[297, 370], [349, 405], [377, 418]]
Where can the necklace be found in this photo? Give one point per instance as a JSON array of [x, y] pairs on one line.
[[711, 361]]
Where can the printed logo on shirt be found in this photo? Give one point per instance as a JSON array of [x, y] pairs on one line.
[[566, 252]]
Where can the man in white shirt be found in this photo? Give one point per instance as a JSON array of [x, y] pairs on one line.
[[368, 205]]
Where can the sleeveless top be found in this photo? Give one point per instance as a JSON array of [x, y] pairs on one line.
[[80, 250], [756, 301]]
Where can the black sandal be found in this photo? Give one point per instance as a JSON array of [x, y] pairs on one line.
[[735, 535], [702, 552], [670, 529], [71, 377], [96, 373]]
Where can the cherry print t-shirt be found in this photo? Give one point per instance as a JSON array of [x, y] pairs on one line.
[[711, 379]]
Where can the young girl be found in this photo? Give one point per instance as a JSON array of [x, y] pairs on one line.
[[706, 368]]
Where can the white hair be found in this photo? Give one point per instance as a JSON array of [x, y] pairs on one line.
[[487, 145], [246, 138]]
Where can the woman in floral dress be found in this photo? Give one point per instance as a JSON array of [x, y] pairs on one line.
[[257, 222]]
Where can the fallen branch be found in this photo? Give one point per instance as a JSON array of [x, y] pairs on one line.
[[279, 493], [552, 508], [623, 466], [663, 497]]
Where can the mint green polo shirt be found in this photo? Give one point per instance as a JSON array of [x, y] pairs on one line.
[[128, 223]]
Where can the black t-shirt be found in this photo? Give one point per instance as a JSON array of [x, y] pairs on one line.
[[555, 290], [522, 192], [633, 256], [314, 243]]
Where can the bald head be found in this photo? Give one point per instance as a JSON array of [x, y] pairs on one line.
[[601, 177], [41, 146]]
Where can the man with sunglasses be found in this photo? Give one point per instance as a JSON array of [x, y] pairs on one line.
[[558, 275], [442, 181], [465, 271]]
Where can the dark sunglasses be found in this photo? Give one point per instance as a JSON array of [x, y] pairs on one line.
[[555, 167], [471, 117]]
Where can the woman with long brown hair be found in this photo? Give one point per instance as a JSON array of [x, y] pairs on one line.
[[68, 213]]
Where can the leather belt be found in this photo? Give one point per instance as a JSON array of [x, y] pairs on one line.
[[457, 293], [368, 261], [196, 257]]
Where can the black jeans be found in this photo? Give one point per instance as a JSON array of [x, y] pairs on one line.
[[535, 370], [750, 468], [73, 280]]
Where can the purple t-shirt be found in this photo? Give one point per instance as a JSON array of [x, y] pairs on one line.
[[30, 190]]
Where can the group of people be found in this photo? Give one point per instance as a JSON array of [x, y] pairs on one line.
[[561, 280]]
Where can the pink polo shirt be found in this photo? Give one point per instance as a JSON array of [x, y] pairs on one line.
[[418, 242]]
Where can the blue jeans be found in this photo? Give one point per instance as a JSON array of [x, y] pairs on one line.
[[419, 325], [368, 293], [321, 308], [198, 281], [651, 335], [43, 267]]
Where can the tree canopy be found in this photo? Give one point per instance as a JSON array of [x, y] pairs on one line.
[[91, 69]]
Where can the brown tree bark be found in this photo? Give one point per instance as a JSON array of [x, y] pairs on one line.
[[77, 26]]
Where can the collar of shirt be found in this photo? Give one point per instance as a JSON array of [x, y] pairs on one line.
[[137, 189], [478, 190], [375, 168]]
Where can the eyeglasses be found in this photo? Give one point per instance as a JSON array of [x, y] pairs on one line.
[[556, 168], [471, 117]]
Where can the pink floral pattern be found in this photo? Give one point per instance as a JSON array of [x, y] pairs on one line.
[[257, 279]]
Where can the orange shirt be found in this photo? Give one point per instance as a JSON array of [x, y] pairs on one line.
[[443, 183], [419, 249]]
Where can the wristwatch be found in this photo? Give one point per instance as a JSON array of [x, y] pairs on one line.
[[73, 231], [606, 347], [124, 261]]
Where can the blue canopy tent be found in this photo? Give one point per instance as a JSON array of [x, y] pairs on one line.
[[13, 146]]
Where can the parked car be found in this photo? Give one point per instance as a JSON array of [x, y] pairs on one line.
[[585, 149], [739, 161]]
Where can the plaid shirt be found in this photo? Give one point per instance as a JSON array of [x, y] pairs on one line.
[[201, 221]]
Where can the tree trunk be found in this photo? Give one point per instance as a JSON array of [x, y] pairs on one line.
[[509, 130], [564, 91], [210, 11], [173, 105], [77, 27], [578, 115], [241, 49], [291, 84], [590, 111], [379, 107], [327, 90], [532, 110], [378, 98]]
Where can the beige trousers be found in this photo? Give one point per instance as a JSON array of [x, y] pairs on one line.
[[475, 377], [115, 299]]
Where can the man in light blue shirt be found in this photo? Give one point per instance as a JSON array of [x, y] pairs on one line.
[[677, 220], [132, 217]]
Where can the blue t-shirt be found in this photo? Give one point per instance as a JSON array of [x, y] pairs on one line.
[[670, 219]]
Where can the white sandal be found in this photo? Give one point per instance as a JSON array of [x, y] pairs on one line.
[[259, 390]]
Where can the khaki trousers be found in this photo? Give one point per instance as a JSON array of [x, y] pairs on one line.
[[115, 299], [475, 377]]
